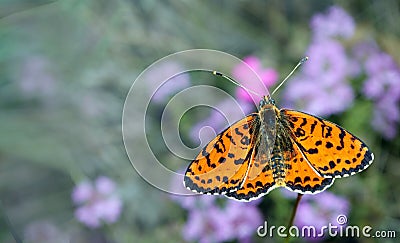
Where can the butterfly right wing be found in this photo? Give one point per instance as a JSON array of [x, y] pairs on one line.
[[301, 177], [330, 149], [223, 163]]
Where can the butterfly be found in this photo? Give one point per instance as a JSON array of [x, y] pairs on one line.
[[276, 148]]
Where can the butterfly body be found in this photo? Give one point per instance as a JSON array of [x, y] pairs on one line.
[[276, 148]]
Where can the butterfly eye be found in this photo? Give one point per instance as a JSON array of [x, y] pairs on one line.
[[262, 102]]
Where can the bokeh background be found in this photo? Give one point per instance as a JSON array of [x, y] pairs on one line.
[[67, 66]]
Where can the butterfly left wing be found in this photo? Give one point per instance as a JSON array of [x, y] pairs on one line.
[[222, 164], [331, 150], [259, 180]]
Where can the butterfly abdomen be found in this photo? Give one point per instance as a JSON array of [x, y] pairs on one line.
[[277, 164]]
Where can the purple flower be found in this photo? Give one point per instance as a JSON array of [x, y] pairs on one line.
[[318, 97], [243, 218], [386, 116], [223, 114], [334, 23], [382, 85], [320, 210], [236, 220], [35, 79], [82, 193], [379, 62], [207, 226], [197, 201], [322, 87], [217, 219], [328, 62], [243, 74], [98, 203], [165, 80], [361, 51], [105, 185]]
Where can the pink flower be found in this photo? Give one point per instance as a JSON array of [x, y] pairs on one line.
[[243, 74], [98, 203]]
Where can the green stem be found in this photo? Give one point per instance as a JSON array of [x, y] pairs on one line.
[[8, 223], [299, 196]]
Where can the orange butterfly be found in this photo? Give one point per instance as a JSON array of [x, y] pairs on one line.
[[276, 148]]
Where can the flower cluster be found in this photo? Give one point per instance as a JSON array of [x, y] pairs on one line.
[[98, 203], [219, 220], [334, 23], [322, 88], [382, 85], [319, 210]]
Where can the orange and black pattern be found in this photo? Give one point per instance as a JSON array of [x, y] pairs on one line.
[[308, 153], [223, 164]]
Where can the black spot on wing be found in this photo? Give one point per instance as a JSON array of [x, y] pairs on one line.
[[312, 151], [239, 161], [299, 132], [304, 122], [245, 140], [238, 132], [313, 127], [230, 138], [341, 136]]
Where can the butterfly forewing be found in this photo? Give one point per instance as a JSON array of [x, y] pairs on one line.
[[223, 163], [331, 150]]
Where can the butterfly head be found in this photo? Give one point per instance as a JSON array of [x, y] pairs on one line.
[[266, 100]]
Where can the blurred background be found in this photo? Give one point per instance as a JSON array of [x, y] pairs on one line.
[[67, 66]]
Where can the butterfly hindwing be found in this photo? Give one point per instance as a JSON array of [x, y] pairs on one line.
[[258, 182], [330, 149], [223, 163], [302, 178]]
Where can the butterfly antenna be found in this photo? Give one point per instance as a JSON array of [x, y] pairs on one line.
[[235, 82], [303, 60]]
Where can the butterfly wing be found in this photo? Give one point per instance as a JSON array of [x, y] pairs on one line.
[[223, 163], [301, 177], [259, 180], [331, 150]]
